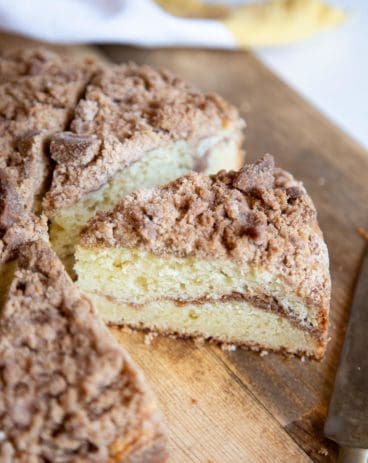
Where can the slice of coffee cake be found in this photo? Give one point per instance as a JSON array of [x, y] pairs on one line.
[[68, 391], [135, 127], [237, 258]]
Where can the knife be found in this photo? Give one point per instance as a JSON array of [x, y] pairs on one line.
[[347, 419]]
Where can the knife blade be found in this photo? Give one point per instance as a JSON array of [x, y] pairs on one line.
[[347, 419]]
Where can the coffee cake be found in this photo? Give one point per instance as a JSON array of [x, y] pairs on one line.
[[236, 257], [69, 392]]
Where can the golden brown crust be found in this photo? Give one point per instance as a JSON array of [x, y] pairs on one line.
[[259, 216], [126, 111], [317, 351], [84, 400]]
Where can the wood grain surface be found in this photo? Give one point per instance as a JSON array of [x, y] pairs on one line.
[[239, 407]]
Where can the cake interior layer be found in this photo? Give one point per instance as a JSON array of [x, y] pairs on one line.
[[140, 277], [155, 168], [234, 322]]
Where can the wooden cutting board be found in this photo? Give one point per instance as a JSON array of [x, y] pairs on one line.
[[239, 407]]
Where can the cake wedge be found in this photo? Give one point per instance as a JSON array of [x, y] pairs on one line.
[[237, 258], [68, 392]]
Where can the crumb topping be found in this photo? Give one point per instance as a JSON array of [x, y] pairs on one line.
[[99, 128], [127, 110], [260, 216], [24, 229], [24, 172], [27, 62], [39, 90], [22, 180], [82, 400]]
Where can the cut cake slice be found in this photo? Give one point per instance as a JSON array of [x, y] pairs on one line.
[[134, 127], [237, 258], [69, 393]]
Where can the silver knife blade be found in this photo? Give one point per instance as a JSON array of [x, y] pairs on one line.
[[347, 420]]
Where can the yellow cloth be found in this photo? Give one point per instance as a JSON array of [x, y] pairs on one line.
[[272, 22]]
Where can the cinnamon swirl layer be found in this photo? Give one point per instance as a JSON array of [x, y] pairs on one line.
[[230, 320]]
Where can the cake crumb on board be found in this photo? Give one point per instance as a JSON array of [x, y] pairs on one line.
[[228, 347], [323, 451], [149, 337]]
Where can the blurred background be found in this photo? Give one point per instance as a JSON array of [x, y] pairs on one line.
[[320, 49]]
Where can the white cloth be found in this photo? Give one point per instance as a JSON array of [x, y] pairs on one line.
[[330, 70], [139, 22]]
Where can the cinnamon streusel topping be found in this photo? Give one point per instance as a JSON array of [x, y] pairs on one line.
[[39, 90], [24, 229]]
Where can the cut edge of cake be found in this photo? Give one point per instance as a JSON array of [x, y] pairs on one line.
[[242, 247]]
